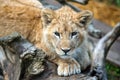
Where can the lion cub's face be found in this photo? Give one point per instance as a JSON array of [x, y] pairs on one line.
[[64, 30]]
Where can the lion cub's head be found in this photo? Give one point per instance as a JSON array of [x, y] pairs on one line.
[[64, 29]]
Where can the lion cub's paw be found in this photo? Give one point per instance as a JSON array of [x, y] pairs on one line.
[[69, 68]]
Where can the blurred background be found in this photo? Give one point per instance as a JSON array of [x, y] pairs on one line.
[[107, 11]]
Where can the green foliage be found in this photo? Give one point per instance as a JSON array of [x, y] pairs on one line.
[[118, 2], [113, 71], [115, 2]]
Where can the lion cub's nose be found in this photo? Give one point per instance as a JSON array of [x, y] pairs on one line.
[[66, 50]]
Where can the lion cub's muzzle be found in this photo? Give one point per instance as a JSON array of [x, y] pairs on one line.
[[65, 50]]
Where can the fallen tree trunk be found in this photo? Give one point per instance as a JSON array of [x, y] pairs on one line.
[[101, 50], [20, 60], [18, 57], [23, 61]]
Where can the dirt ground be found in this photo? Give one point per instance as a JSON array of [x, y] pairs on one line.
[[107, 13]]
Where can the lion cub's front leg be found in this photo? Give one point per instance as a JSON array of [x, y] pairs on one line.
[[67, 67]]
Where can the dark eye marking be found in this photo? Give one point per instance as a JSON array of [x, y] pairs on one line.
[[57, 33], [48, 21], [73, 34]]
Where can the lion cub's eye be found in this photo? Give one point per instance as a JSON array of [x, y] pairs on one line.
[[57, 34], [73, 34]]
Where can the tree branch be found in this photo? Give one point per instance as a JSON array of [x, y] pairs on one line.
[[101, 50]]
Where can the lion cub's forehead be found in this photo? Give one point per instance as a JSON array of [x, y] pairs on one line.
[[65, 14], [66, 19], [63, 27]]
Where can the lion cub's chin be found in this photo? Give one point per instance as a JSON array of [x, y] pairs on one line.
[[65, 56]]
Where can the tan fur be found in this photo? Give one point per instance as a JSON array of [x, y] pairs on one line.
[[52, 31], [16, 16]]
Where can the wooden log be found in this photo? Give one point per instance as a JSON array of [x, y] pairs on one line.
[[15, 51], [9, 63], [50, 73], [101, 50], [20, 56]]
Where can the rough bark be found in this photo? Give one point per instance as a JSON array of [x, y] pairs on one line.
[[18, 56], [9, 61], [20, 60], [101, 50]]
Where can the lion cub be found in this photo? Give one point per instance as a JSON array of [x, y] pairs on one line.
[[61, 34], [65, 39]]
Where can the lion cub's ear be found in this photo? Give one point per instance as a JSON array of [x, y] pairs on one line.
[[85, 17], [47, 15]]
